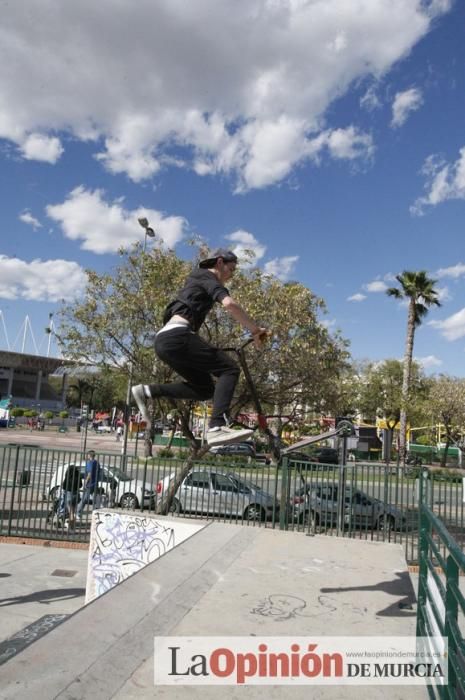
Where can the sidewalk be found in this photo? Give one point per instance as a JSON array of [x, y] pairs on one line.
[[38, 581]]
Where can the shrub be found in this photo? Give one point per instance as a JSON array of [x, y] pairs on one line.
[[166, 452], [17, 412], [63, 414], [49, 415], [30, 413]]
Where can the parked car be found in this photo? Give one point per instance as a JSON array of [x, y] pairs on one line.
[[241, 449], [119, 488], [210, 491], [102, 428], [320, 503], [317, 460]]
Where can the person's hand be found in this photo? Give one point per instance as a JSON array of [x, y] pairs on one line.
[[260, 336]]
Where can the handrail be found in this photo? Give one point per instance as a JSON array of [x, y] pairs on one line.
[[445, 616]]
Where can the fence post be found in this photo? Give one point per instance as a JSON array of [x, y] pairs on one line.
[[283, 508], [13, 490], [424, 528], [452, 577]]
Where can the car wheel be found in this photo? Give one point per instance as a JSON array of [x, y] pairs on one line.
[[254, 513], [129, 501], [390, 523], [175, 506]]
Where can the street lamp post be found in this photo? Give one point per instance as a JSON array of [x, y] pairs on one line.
[[150, 233], [148, 230]]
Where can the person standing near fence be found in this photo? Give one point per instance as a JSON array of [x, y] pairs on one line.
[[90, 483], [70, 495]]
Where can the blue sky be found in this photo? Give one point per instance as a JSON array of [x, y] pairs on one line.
[[327, 136]]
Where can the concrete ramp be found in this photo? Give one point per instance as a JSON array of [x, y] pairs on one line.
[[224, 580]]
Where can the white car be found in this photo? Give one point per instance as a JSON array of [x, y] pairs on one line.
[[118, 487]]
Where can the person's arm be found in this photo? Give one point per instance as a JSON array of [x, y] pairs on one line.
[[237, 312]]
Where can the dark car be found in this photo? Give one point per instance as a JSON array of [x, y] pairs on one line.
[[241, 449], [325, 455], [315, 460]]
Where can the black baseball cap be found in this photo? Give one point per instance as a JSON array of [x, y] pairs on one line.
[[227, 255]]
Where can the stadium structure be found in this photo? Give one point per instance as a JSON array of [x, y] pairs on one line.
[[24, 379]]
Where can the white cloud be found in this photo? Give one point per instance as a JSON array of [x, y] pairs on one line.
[[282, 268], [246, 241], [350, 144], [328, 324], [443, 294], [370, 100], [40, 147], [357, 297], [454, 271], [27, 218], [405, 103], [243, 94], [375, 286], [105, 227], [443, 182], [453, 327], [40, 280], [428, 361]]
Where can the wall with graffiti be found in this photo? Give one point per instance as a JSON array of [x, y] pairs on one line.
[[122, 543]]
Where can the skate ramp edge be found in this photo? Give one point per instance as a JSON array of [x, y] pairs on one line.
[[123, 543]]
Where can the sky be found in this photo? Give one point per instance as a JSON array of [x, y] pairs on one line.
[[325, 135]]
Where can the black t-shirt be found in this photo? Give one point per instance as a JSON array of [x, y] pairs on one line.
[[72, 480], [193, 302]]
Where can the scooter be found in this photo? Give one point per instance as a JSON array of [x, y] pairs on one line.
[[343, 429]]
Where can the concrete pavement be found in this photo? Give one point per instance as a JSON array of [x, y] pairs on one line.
[[38, 581], [226, 580]]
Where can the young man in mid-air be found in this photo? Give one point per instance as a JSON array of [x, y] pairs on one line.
[[179, 345]]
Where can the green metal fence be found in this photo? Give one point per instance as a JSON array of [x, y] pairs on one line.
[[441, 604], [359, 500]]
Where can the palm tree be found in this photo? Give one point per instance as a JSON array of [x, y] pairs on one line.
[[419, 290]]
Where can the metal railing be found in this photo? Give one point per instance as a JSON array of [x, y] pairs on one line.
[[441, 604], [359, 500]]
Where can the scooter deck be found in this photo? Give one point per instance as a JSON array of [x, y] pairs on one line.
[[310, 440]]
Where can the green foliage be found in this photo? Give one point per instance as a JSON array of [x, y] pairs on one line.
[[380, 390], [30, 413], [423, 440], [17, 412], [165, 452], [49, 415], [64, 414]]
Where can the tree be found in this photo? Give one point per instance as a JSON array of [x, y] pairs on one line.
[[380, 392], [419, 290], [447, 403]]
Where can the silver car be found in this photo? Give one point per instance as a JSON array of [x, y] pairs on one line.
[[213, 492], [320, 503]]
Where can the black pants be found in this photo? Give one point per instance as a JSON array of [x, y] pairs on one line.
[[196, 361]]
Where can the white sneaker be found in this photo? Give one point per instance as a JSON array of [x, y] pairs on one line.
[[140, 399], [224, 435]]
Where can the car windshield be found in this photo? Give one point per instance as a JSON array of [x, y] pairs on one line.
[[118, 474]]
